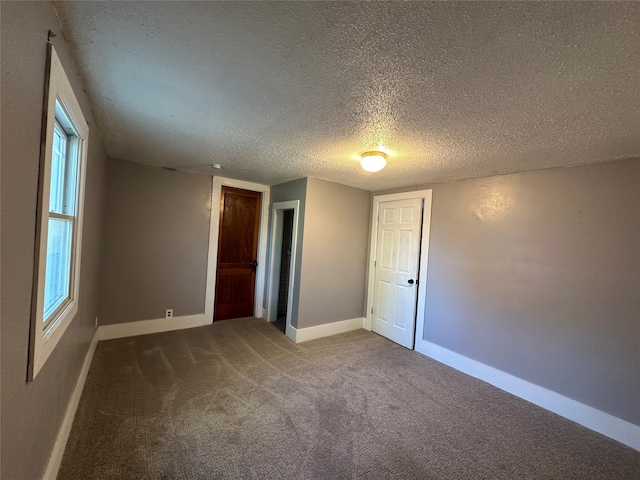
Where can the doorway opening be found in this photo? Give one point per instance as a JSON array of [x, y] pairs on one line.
[[284, 239], [285, 270]]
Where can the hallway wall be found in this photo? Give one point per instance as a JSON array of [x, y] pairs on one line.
[[32, 412]]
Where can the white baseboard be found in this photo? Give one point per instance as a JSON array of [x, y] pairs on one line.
[[55, 460], [145, 327], [311, 333], [601, 422]]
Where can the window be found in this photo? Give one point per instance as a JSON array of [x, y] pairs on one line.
[[60, 197]]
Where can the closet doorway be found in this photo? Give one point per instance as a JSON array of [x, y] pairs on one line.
[[284, 239]]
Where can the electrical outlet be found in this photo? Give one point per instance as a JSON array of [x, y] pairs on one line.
[[168, 313]]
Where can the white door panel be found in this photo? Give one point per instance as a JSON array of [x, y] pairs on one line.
[[397, 257]]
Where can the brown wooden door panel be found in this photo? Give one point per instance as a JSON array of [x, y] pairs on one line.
[[237, 252], [234, 295]]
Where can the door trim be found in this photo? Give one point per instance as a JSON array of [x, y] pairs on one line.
[[274, 271], [214, 231], [425, 195]]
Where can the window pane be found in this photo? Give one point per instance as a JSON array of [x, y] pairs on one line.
[[58, 270], [71, 177], [58, 168]]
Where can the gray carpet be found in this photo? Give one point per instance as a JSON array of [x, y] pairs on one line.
[[239, 400]]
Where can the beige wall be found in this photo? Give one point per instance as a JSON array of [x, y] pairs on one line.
[[156, 243], [33, 412], [334, 255], [538, 274]]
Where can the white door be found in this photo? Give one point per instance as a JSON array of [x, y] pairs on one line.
[[396, 270]]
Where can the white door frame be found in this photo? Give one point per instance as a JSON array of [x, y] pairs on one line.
[[214, 231], [425, 195], [277, 222]]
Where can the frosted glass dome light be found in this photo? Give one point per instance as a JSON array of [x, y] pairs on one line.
[[373, 161]]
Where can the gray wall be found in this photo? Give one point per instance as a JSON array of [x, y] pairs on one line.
[[33, 412], [294, 190], [155, 244], [538, 274], [334, 256]]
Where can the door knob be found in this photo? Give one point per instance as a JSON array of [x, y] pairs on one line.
[[255, 264], [411, 282]]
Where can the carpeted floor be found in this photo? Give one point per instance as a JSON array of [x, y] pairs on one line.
[[281, 323], [238, 400]]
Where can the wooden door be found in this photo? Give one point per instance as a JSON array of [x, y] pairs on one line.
[[237, 253], [396, 270]]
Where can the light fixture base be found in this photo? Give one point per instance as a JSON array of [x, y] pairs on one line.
[[374, 153]]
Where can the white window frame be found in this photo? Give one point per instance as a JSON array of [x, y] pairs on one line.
[[46, 335]]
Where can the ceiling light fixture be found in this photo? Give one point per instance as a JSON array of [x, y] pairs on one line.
[[373, 161]]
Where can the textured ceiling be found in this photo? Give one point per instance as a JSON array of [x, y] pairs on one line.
[[276, 91]]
